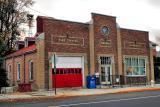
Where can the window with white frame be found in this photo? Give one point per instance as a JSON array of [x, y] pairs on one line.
[[18, 71], [30, 70], [9, 71], [135, 66]]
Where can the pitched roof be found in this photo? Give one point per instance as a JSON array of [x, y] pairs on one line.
[[22, 51]]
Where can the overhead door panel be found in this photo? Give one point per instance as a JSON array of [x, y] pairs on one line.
[[68, 72], [69, 62]]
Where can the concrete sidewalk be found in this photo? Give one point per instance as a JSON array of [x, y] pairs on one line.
[[70, 92]]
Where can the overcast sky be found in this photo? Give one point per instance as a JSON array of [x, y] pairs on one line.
[[132, 14]]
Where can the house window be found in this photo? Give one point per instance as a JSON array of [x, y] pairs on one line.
[[9, 71], [18, 71], [135, 66], [30, 70]]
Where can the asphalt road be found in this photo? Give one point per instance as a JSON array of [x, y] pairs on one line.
[[136, 99]]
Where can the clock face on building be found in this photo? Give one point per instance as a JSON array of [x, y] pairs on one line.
[[105, 30]]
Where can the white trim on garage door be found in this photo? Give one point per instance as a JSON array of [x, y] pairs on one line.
[[71, 62]]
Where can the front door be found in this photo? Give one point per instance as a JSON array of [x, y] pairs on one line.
[[106, 74]]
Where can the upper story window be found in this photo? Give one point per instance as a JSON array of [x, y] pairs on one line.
[[135, 66], [18, 71], [30, 70], [9, 71]]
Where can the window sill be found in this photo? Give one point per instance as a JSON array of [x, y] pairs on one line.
[[31, 80], [135, 75], [18, 80]]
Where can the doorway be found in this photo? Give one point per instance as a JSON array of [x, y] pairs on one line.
[[106, 74], [106, 70]]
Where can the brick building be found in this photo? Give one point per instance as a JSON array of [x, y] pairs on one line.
[[101, 47]]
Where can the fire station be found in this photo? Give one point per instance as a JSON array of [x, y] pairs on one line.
[[99, 47]]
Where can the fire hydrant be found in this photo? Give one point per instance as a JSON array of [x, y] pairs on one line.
[[152, 83]]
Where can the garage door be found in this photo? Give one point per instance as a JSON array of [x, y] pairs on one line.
[[68, 72]]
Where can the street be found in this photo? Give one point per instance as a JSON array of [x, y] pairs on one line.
[[136, 99]]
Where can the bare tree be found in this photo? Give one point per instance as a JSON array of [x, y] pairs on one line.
[[12, 14]]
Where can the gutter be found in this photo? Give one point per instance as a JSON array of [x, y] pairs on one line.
[[24, 53]]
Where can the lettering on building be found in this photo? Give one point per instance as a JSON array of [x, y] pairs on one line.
[[134, 45], [67, 40], [105, 43]]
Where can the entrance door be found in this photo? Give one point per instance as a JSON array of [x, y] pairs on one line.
[[106, 74]]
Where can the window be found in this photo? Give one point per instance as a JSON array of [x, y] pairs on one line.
[[61, 71], [72, 71], [9, 71], [105, 60], [57, 71], [18, 71], [76, 71], [30, 70], [105, 30], [135, 66]]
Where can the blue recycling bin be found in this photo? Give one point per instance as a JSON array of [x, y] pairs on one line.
[[91, 82]]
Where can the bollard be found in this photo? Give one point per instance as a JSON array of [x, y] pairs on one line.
[[152, 83]]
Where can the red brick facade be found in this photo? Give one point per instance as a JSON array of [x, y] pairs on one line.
[[22, 57], [98, 22], [84, 39], [135, 42]]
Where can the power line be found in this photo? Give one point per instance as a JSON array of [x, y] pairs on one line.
[[37, 11]]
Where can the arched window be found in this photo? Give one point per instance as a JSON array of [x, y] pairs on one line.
[[30, 70]]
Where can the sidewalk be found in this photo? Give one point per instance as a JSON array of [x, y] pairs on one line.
[[70, 92]]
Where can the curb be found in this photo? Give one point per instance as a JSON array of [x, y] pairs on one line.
[[137, 90], [42, 98]]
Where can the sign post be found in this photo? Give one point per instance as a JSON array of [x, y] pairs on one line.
[[54, 56]]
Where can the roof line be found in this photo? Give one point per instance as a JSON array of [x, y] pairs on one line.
[[22, 51], [51, 18], [134, 30]]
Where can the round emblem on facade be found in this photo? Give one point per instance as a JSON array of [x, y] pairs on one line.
[[105, 30]]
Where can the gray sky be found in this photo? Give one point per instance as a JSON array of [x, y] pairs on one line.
[[133, 14]]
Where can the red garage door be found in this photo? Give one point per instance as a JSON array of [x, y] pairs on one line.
[[67, 77]]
